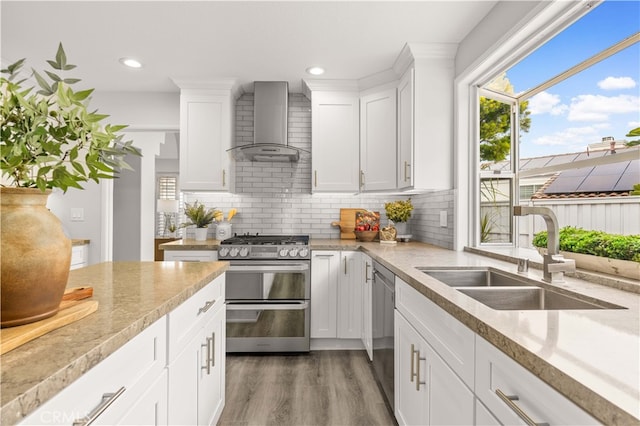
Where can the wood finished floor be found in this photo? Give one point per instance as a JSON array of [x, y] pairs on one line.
[[318, 388]]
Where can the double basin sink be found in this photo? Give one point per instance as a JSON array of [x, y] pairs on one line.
[[504, 291]]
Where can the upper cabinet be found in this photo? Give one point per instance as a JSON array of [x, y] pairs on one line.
[[405, 130], [378, 141], [335, 139], [205, 136], [425, 116]]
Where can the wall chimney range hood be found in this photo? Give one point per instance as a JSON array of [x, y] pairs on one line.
[[270, 122]]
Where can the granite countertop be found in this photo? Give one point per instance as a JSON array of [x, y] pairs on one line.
[[590, 356], [131, 296], [190, 244], [79, 241]]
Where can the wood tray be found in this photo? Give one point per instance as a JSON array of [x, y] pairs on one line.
[[347, 223], [71, 309]]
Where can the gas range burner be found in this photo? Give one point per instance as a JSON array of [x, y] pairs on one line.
[[265, 247], [262, 240]]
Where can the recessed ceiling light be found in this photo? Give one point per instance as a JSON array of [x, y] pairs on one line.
[[130, 62], [315, 70]]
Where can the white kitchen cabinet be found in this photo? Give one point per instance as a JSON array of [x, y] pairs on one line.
[[196, 357], [367, 304], [191, 255], [79, 256], [405, 130], [205, 136], [336, 295], [427, 391], [497, 374], [378, 157], [335, 137], [129, 384]]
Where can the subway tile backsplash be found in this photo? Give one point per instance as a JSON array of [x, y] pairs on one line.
[[275, 198]]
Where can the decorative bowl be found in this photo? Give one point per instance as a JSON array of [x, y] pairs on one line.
[[366, 236]]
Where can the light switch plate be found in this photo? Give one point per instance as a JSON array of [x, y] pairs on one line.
[[77, 214], [443, 218]]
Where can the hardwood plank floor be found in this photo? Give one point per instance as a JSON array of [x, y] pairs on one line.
[[318, 388]]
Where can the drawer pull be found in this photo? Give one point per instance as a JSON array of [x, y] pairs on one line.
[[206, 306], [107, 400], [508, 399], [418, 382]]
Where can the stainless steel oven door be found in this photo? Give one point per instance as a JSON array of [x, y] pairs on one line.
[[273, 326], [268, 280]]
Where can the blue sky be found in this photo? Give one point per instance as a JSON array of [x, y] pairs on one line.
[[603, 100]]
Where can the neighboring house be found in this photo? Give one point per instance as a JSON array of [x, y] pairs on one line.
[[596, 197]]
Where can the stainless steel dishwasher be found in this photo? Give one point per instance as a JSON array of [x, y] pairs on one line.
[[383, 339]]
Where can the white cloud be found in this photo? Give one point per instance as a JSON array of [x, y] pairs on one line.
[[599, 108], [633, 124], [545, 102], [617, 83], [573, 136]]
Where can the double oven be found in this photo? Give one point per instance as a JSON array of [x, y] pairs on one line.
[[268, 290]]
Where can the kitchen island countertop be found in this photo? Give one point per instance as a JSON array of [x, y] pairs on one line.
[[131, 297]]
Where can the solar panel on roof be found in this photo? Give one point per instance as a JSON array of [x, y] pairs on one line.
[[564, 184], [630, 177], [598, 183]]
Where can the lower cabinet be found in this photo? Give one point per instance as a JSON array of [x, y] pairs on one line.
[[173, 372], [513, 395], [427, 391], [336, 294], [197, 358]]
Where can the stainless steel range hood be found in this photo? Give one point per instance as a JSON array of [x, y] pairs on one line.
[[270, 122]]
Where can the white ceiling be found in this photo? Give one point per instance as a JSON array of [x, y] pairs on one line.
[[209, 40]]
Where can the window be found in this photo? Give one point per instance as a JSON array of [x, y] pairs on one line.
[[166, 216], [568, 141]]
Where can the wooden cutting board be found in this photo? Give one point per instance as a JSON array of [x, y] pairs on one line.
[[71, 309], [347, 223]]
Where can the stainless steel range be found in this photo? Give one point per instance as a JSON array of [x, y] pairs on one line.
[[267, 291]]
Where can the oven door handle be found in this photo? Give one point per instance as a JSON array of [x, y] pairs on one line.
[[289, 306], [269, 268]]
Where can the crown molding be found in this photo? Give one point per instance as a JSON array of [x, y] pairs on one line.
[[226, 84], [416, 51]]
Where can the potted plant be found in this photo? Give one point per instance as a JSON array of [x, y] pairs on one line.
[[399, 213], [201, 217], [50, 139]]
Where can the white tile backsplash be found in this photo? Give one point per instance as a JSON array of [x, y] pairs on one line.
[[275, 198]]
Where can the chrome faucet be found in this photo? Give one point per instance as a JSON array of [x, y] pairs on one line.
[[554, 265]]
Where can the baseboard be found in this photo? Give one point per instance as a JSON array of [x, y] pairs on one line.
[[336, 344]]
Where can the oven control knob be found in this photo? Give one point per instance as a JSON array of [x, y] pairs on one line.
[[303, 252], [293, 252], [283, 252], [224, 251], [234, 252], [244, 252]]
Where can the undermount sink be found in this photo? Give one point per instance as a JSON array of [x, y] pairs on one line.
[[474, 277], [504, 291]]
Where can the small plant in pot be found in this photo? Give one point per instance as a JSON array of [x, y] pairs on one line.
[[50, 139], [399, 212], [201, 217]]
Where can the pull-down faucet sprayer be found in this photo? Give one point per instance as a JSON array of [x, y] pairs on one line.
[[554, 264]]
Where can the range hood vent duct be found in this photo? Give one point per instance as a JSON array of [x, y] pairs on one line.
[[270, 123]]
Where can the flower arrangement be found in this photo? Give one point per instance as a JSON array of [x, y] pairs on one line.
[[200, 216], [398, 211]]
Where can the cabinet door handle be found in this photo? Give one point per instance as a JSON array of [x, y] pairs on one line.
[[418, 382], [224, 177], [367, 266], [105, 402], [413, 374], [508, 399], [345, 265], [361, 179], [207, 364], [213, 349], [406, 175], [206, 306], [315, 178]]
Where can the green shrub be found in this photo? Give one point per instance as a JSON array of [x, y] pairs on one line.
[[597, 243]]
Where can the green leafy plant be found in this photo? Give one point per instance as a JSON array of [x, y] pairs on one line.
[[398, 211], [49, 137], [597, 243], [199, 215], [636, 189]]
